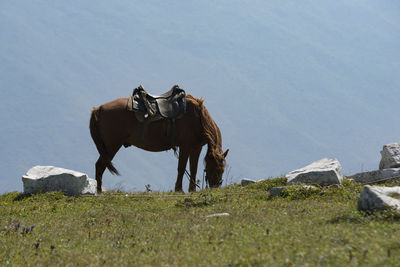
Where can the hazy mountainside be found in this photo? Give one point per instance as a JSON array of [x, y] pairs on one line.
[[287, 82]]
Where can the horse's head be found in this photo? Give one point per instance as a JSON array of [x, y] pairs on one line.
[[215, 166]]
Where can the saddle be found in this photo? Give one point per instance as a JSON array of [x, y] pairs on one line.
[[148, 108], [169, 105]]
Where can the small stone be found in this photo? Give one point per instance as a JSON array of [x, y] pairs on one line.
[[279, 190], [276, 191], [218, 215], [246, 181]]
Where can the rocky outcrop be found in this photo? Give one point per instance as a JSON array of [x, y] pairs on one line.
[[379, 198], [386, 175], [323, 172], [390, 156], [49, 178]]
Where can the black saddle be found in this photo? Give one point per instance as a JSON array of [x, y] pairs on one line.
[[168, 105]]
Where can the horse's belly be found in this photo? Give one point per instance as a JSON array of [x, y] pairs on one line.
[[154, 139], [153, 148]]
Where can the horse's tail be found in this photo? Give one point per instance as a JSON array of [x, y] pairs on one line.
[[101, 147]]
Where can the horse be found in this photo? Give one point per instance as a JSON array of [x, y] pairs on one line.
[[112, 126]]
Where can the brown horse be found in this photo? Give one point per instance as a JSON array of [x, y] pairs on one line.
[[113, 126]]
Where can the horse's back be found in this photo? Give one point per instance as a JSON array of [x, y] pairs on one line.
[[114, 119], [115, 105]]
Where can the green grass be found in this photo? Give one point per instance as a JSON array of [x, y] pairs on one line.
[[167, 229]]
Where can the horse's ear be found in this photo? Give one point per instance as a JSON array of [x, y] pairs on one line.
[[226, 153]]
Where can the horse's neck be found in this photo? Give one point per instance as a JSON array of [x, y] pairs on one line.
[[214, 148]]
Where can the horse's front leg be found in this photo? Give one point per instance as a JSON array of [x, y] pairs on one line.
[[194, 160], [183, 158]]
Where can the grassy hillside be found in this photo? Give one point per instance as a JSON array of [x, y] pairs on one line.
[[169, 229]]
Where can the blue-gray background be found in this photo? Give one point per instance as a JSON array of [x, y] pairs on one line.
[[288, 82]]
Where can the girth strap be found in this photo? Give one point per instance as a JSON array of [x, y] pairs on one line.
[[169, 129], [150, 110]]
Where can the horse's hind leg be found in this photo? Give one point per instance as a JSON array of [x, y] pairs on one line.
[[100, 168], [101, 165], [194, 160]]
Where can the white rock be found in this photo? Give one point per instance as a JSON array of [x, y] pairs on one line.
[[390, 156], [218, 215], [246, 181], [378, 198], [376, 176], [49, 178], [322, 172]]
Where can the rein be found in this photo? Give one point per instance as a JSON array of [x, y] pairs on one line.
[[190, 177]]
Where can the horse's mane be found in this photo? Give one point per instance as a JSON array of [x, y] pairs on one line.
[[211, 132]]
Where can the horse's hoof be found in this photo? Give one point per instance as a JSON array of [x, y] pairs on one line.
[[101, 190], [193, 189], [178, 190]]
